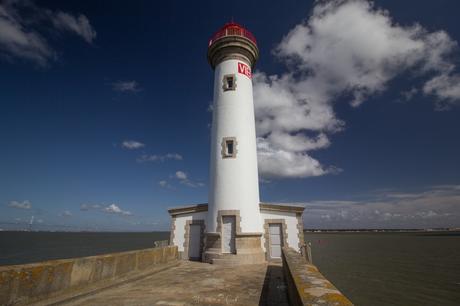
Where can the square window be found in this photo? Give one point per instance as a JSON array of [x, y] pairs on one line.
[[229, 82]]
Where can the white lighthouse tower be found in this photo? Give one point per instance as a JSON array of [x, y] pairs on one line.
[[234, 219], [234, 227]]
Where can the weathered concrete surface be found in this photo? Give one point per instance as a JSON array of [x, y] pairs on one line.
[[306, 285], [156, 277], [195, 283], [275, 288], [24, 284]]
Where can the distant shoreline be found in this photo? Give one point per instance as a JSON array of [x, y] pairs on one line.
[[86, 232], [309, 230], [382, 230]]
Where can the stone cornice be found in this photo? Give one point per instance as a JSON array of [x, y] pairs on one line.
[[282, 207], [249, 234], [188, 209], [263, 206]]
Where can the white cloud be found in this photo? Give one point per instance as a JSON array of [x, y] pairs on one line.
[[126, 86], [409, 94], [275, 162], [161, 158], [85, 207], [436, 206], [114, 209], [16, 41], [21, 205], [20, 34], [427, 214], [446, 87], [181, 175], [184, 179], [79, 25], [164, 184], [66, 213], [346, 49], [132, 144]]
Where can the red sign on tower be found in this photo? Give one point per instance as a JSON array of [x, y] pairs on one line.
[[244, 69]]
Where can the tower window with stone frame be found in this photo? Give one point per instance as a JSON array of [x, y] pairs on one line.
[[229, 82], [229, 147]]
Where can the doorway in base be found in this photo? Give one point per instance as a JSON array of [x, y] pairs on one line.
[[228, 234], [276, 240]]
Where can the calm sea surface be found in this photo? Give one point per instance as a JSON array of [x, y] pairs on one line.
[[372, 269], [391, 268]]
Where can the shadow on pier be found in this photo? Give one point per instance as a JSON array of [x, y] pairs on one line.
[[274, 290]]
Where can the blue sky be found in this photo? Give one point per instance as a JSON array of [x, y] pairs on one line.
[[104, 110]]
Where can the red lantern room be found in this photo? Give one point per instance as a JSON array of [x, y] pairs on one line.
[[232, 41], [232, 29]]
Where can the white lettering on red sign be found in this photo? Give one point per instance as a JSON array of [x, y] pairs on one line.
[[244, 69]]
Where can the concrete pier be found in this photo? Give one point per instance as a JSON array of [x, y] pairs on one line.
[[157, 277], [195, 283]]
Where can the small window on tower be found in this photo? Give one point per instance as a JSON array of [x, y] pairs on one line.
[[229, 82], [229, 147]]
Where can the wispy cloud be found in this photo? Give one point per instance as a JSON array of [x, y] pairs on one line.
[[161, 158], [111, 209], [22, 24], [65, 213], [164, 184], [295, 110], [86, 207], [20, 205], [409, 94], [79, 25], [436, 206], [132, 144], [126, 86], [184, 179]]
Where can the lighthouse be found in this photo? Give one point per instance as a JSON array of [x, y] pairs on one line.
[[234, 219], [234, 227]]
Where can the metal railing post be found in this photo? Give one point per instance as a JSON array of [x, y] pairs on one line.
[[306, 252], [310, 258]]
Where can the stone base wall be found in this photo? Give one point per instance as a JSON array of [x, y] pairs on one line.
[[247, 244], [248, 249], [29, 283]]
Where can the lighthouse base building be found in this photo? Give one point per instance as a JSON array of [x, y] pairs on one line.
[[282, 226], [234, 227]]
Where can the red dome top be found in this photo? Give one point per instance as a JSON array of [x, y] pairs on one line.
[[232, 29]]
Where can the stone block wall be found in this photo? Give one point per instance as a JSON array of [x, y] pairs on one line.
[[23, 284], [306, 285]]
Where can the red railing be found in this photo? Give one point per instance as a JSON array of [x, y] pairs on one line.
[[232, 29]]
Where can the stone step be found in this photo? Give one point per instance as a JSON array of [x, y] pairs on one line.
[[227, 262], [239, 259]]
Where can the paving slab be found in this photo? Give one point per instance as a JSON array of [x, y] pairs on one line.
[[195, 283]]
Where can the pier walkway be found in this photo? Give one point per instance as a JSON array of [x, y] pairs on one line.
[[195, 283], [156, 276]]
